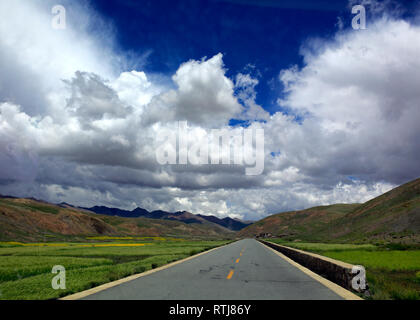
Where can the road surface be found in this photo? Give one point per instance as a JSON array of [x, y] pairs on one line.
[[243, 270]]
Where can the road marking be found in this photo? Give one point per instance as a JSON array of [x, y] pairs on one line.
[[82, 294], [230, 274], [237, 260], [344, 293]]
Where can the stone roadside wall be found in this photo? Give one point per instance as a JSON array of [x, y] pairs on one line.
[[336, 271]]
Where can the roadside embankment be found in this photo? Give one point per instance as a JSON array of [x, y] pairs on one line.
[[334, 270]]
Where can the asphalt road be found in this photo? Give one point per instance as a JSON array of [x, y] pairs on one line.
[[243, 270]]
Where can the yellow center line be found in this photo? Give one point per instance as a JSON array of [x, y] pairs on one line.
[[230, 274]]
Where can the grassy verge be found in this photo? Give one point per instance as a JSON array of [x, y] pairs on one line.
[[25, 270], [392, 272]]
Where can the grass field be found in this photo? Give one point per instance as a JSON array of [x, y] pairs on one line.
[[391, 274], [25, 268]]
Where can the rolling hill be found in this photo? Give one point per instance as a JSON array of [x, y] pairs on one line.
[[304, 223], [34, 220], [393, 216]]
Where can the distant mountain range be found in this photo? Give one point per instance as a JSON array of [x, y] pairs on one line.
[[183, 216], [391, 217], [28, 220]]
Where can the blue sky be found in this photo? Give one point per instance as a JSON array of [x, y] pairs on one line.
[[257, 37]]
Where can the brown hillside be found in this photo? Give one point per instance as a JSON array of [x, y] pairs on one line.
[[295, 223], [32, 220], [391, 217]]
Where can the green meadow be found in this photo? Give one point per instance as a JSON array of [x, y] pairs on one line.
[[25, 269], [393, 272]]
